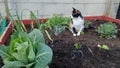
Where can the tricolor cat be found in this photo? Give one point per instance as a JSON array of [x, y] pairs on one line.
[[77, 24]]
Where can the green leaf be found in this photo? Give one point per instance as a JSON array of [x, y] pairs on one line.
[[4, 51], [36, 36], [31, 55], [29, 65], [21, 54], [107, 30], [12, 64], [21, 35], [43, 55], [105, 47], [18, 37]]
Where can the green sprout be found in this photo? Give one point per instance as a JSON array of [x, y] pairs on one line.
[[82, 33], [104, 47], [77, 46], [87, 24]]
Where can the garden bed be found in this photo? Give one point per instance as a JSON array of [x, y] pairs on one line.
[[90, 55], [93, 56], [6, 33]]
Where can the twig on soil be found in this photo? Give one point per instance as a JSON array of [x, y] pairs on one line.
[[90, 51]]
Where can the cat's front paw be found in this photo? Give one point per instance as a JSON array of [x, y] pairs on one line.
[[78, 34], [74, 34]]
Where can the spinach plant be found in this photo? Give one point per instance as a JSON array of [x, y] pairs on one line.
[[26, 51], [107, 30]]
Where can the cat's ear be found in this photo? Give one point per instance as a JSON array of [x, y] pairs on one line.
[[73, 9]]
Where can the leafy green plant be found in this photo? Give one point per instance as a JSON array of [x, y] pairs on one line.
[[26, 51], [87, 24], [58, 23], [107, 30], [82, 33], [105, 47], [58, 29], [77, 46], [57, 20]]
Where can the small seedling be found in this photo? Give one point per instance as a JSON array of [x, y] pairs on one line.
[[57, 24], [82, 33], [87, 24], [104, 47], [77, 46]]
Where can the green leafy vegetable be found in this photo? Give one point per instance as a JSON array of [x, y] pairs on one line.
[[107, 30], [27, 51], [57, 23]]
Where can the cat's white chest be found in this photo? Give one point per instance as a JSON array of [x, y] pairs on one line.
[[78, 22]]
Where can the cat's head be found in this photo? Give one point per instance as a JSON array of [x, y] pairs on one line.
[[76, 13]]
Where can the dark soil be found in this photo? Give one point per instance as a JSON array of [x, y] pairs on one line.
[[65, 55], [90, 55]]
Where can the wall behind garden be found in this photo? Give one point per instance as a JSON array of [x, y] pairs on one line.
[[2, 7], [46, 8]]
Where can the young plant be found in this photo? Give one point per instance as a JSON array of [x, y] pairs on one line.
[[104, 47], [107, 30], [58, 29], [26, 51], [57, 23], [87, 24], [77, 46]]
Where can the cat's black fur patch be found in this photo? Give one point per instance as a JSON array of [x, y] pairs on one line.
[[74, 30]]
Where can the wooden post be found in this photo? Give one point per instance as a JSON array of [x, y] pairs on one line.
[[6, 7], [108, 7]]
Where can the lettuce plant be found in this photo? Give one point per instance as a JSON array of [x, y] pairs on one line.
[[107, 30], [26, 51]]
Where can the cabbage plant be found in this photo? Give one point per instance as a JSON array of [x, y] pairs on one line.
[[26, 51]]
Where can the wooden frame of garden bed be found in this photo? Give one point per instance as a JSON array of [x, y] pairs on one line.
[[6, 33], [8, 30]]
